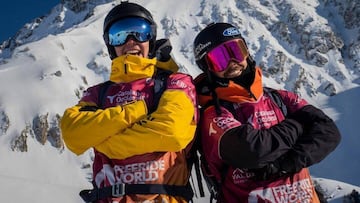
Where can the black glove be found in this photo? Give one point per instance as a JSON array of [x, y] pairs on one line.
[[162, 50], [268, 172], [276, 169]]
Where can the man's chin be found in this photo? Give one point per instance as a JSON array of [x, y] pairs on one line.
[[232, 73]]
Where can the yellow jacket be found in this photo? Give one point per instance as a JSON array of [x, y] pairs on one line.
[[126, 130]]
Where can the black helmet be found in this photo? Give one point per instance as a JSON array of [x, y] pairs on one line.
[[211, 36], [124, 10]]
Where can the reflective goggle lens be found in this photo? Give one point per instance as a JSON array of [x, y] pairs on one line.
[[218, 58], [138, 28]]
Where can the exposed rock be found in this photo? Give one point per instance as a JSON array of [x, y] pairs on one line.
[[48, 132], [279, 62], [54, 133], [283, 31], [349, 10], [353, 197], [58, 73], [354, 49], [19, 143], [319, 59], [4, 122], [40, 128], [329, 89], [75, 5]]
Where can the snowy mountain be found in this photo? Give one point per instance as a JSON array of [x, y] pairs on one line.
[[311, 47]]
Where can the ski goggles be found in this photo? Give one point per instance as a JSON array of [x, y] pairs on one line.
[[219, 57], [138, 28]]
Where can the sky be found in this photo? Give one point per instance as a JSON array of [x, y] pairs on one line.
[[15, 14], [47, 75]]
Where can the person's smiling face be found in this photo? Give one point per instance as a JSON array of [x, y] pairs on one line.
[[133, 47], [233, 70]]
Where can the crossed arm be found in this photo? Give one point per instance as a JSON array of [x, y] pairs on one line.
[[303, 139]]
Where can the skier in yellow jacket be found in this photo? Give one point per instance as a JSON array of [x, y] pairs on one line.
[[140, 135]]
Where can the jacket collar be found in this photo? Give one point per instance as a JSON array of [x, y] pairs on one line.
[[236, 93], [128, 68]]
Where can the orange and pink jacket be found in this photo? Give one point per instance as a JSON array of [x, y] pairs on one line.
[[130, 145], [220, 137]]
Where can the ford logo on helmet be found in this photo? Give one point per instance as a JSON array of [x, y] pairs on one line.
[[231, 31]]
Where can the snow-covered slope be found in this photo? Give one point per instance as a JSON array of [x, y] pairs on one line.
[[310, 47]]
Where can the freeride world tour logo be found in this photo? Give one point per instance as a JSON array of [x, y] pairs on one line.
[[136, 173], [296, 192]]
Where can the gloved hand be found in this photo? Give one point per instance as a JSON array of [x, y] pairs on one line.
[[268, 172], [162, 49], [276, 169]]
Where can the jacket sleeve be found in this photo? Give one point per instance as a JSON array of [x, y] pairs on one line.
[[82, 130], [170, 128], [321, 136], [246, 147]]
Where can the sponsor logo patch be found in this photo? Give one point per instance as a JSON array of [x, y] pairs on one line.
[[231, 31]]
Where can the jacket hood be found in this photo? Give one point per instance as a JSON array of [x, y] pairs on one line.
[[127, 68], [233, 92]]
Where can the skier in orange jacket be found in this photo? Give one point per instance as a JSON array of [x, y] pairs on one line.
[[256, 150]]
